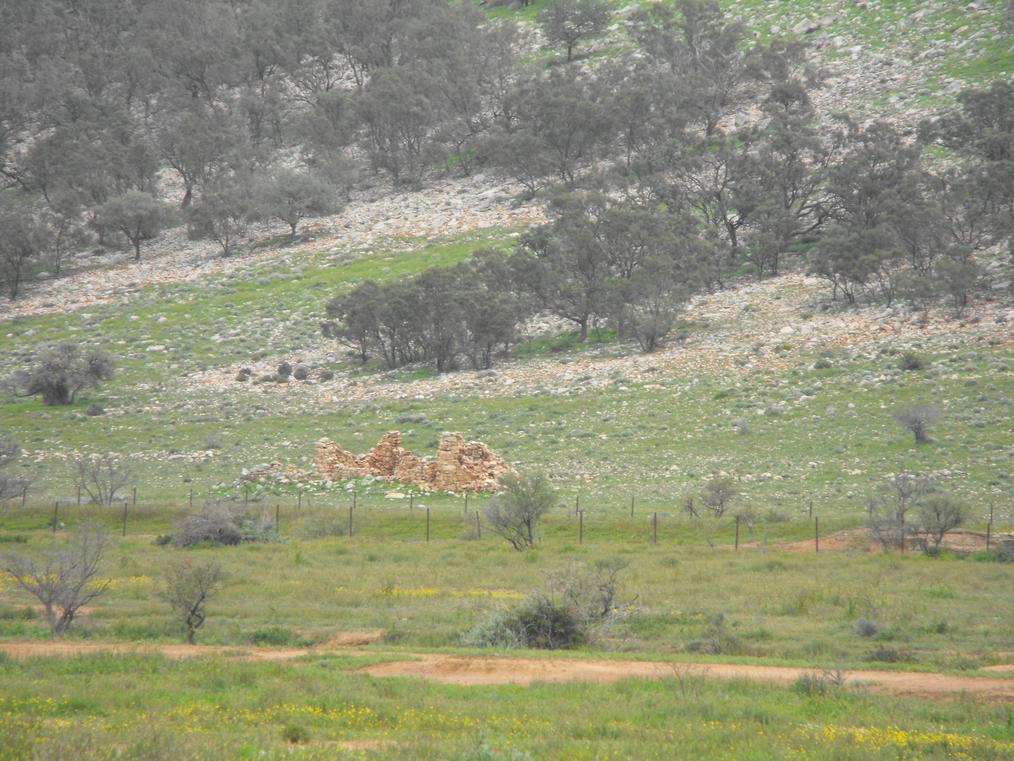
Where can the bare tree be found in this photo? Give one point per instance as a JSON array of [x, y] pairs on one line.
[[917, 418], [718, 494], [102, 476], [516, 514], [936, 515], [888, 509], [65, 579], [187, 588], [10, 485]]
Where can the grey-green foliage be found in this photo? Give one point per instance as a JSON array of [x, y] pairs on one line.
[[223, 525], [62, 370], [138, 215], [291, 196], [516, 513], [567, 22]]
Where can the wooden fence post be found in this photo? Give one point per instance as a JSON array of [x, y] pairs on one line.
[[577, 504], [355, 500], [580, 527], [989, 530], [124, 518], [737, 533], [631, 507], [466, 503], [478, 526], [56, 514], [816, 534], [24, 496], [79, 496], [410, 502], [427, 524], [191, 497], [654, 528]]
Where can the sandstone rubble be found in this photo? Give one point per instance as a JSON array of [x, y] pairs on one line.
[[459, 465]]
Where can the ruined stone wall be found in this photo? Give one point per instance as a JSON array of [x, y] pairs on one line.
[[459, 465]]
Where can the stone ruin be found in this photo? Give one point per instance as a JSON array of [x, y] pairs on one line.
[[459, 465]]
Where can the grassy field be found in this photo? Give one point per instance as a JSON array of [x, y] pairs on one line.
[[765, 605]]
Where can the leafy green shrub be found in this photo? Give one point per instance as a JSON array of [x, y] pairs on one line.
[[576, 604], [295, 734]]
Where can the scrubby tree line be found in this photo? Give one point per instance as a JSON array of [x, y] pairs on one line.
[[698, 156], [239, 110], [251, 110]]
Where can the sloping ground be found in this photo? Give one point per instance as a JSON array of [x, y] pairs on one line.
[[750, 327], [377, 218]]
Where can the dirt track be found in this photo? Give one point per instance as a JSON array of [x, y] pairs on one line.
[[477, 670], [490, 670]]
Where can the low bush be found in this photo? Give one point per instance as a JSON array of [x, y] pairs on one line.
[[223, 526], [866, 628], [576, 606]]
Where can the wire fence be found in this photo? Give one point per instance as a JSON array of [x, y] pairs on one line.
[[408, 518]]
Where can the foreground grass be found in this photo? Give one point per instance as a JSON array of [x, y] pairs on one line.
[[795, 607], [104, 706]]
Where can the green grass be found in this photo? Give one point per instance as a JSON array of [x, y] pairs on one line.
[[778, 607], [83, 707]]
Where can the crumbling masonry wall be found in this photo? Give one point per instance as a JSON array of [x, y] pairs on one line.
[[459, 465]]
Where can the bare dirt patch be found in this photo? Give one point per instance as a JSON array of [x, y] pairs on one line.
[[72, 649], [488, 670]]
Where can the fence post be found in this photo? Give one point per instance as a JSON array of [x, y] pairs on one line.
[[654, 528], [577, 504], [902, 533], [580, 527], [478, 526], [24, 496], [631, 507], [410, 502], [989, 530], [466, 503], [79, 496], [816, 534], [350, 520], [56, 514], [124, 517], [427, 524], [191, 497], [737, 533]]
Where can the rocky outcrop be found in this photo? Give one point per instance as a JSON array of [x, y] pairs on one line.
[[459, 465]]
